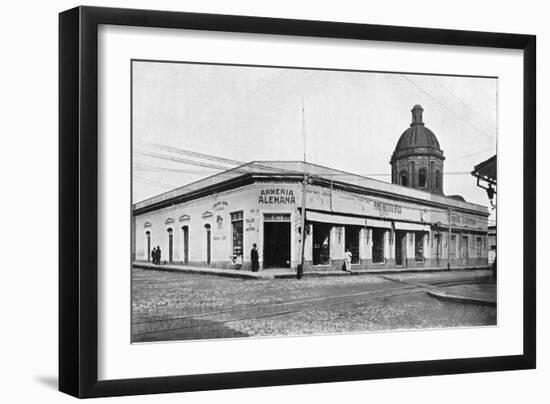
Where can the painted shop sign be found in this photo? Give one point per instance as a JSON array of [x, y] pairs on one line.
[[250, 224], [342, 202], [272, 196], [386, 209], [460, 220], [463, 220]]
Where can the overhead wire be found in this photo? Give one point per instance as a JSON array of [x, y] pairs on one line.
[[446, 107]]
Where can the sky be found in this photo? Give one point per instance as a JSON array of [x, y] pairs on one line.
[[351, 120]]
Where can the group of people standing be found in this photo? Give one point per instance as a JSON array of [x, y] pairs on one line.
[[155, 255]]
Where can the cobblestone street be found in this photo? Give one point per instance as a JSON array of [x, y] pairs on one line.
[[182, 306]]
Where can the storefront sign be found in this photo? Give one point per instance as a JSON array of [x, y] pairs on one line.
[[346, 203], [387, 209], [459, 220], [272, 196]]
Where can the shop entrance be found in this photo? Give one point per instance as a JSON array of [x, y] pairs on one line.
[[208, 243], [378, 250], [352, 242], [170, 246], [276, 241], [400, 246], [185, 230], [321, 243]]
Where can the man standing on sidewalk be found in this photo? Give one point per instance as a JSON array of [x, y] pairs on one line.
[[254, 258], [347, 260]]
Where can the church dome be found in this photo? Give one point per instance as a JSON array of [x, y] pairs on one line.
[[418, 139], [417, 161]]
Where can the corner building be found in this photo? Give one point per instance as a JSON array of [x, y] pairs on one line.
[[384, 225], [408, 223]]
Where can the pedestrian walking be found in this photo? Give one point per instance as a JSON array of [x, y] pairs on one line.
[[154, 255], [347, 260], [254, 258], [158, 255]]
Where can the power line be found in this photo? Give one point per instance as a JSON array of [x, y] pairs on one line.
[[465, 104], [151, 182], [471, 154], [193, 153], [240, 165], [446, 107]]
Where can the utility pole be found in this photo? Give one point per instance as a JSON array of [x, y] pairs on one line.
[[449, 212], [300, 269]]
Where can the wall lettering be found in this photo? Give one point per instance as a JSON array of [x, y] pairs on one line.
[[276, 196]]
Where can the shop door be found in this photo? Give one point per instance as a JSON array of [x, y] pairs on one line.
[[170, 247], [400, 246], [352, 242], [208, 244], [185, 244], [276, 244], [464, 248], [321, 244], [148, 234]]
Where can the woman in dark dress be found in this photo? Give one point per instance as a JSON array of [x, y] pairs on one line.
[[254, 258]]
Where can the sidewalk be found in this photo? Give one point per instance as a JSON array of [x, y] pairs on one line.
[[286, 273]]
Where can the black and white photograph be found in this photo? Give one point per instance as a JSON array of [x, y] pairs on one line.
[[273, 201]]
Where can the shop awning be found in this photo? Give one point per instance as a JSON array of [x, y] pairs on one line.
[[411, 226], [378, 223], [337, 219]]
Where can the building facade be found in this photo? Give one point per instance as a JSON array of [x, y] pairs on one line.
[[408, 223], [383, 225]]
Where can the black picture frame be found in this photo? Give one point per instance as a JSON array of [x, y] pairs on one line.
[[78, 201]]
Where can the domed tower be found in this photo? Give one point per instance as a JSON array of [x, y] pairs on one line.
[[417, 161]]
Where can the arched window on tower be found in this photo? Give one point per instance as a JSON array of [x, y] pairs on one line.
[[437, 180], [404, 178], [422, 177]]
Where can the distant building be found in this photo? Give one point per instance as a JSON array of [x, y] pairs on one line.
[[408, 223], [492, 244]]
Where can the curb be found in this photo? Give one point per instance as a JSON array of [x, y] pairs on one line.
[[462, 299], [231, 273], [200, 271]]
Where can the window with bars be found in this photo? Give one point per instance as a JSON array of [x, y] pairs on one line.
[[277, 217]]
